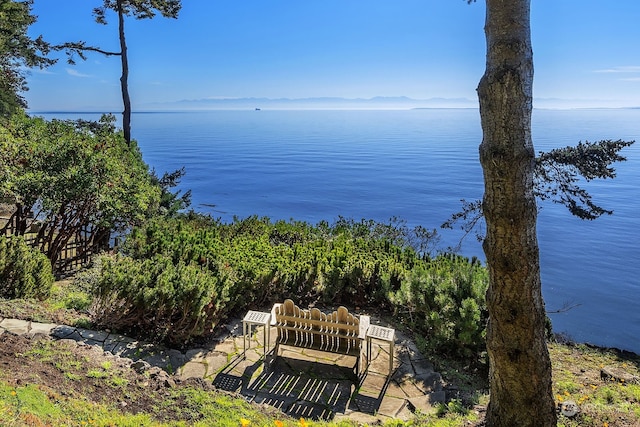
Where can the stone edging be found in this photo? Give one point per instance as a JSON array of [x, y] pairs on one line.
[[414, 382], [143, 355]]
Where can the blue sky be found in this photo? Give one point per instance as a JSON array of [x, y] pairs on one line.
[[585, 52]]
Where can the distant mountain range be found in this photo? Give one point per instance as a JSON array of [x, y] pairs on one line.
[[338, 103], [379, 102]]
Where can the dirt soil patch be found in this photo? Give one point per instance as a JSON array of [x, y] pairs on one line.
[[65, 369]]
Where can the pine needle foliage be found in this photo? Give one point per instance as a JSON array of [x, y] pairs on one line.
[[24, 271], [176, 278]]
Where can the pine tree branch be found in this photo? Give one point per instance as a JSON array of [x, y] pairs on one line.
[[73, 49], [556, 177]]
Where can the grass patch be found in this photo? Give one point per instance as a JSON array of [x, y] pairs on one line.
[[67, 304], [72, 376], [118, 382], [577, 377], [97, 373], [51, 352], [33, 405], [66, 296], [22, 405], [44, 351]]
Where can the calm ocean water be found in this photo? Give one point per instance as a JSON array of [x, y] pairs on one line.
[[415, 165]]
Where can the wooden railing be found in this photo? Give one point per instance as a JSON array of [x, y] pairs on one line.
[[75, 254]]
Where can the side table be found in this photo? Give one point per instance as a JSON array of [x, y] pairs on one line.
[[256, 318], [383, 334]]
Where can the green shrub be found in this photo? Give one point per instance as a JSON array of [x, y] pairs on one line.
[[87, 279], [444, 299], [160, 299], [253, 262], [24, 271]]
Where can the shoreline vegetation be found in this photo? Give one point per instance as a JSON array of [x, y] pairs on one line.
[[180, 274]]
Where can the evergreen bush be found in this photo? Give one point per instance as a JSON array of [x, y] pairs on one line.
[[176, 277], [444, 300], [25, 272], [160, 299]]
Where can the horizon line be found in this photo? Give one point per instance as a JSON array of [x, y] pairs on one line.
[[195, 110]]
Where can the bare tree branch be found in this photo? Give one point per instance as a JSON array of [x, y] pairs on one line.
[[566, 306]]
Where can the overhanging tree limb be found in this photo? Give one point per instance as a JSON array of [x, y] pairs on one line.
[[79, 48], [557, 177], [558, 172]]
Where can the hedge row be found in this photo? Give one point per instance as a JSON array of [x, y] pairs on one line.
[[175, 278]]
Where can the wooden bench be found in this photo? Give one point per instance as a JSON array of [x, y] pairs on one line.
[[339, 332]]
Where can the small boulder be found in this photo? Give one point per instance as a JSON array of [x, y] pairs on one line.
[[611, 373], [140, 366]]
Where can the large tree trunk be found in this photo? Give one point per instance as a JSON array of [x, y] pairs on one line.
[[520, 368], [124, 78]]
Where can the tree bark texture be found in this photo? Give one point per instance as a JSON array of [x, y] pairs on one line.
[[124, 78], [520, 368]]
